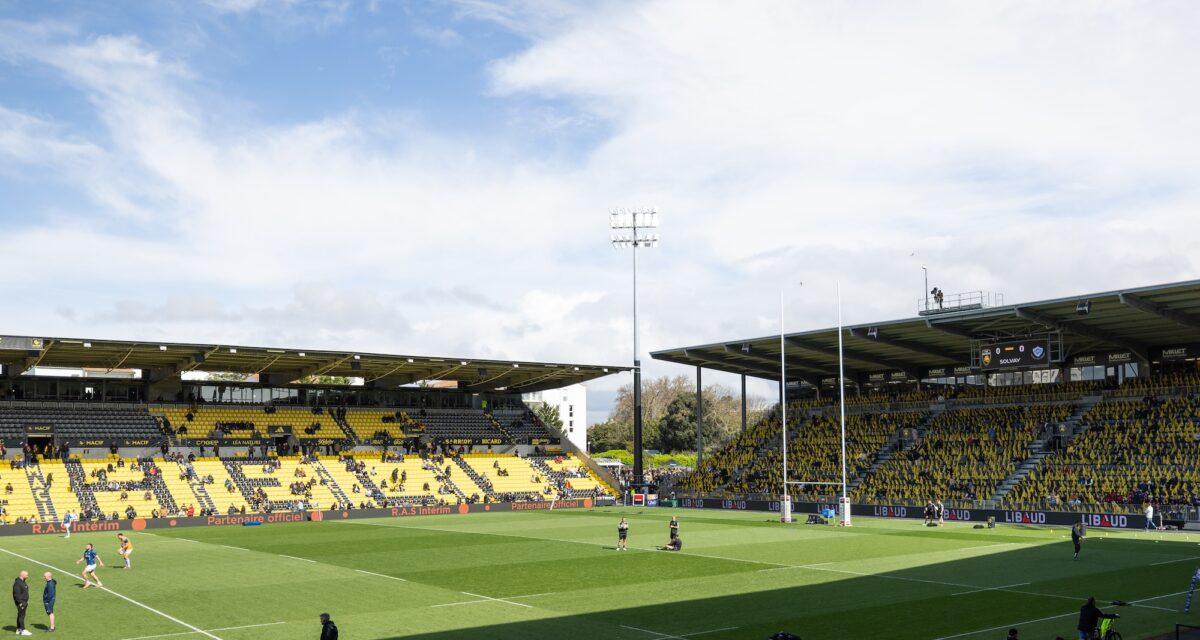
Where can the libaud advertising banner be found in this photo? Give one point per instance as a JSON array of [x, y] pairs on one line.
[[141, 524], [1099, 520]]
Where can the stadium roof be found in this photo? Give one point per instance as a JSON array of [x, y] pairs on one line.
[[283, 366], [1141, 324]]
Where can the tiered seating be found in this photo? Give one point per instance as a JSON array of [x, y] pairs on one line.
[[79, 421], [510, 476], [964, 454], [178, 486], [455, 423], [277, 480], [61, 495], [520, 424], [203, 421], [411, 480], [753, 463], [121, 485], [223, 492], [18, 504], [1132, 451], [369, 424], [347, 481], [576, 475]]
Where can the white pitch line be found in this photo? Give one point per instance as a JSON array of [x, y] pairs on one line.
[[188, 633], [147, 607], [1155, 564], [1065, 615], [584, 542], [1000, 588], [654, 633], [701, 633], [476, 595], [798, 566], [233, 547], [284, 555], [381, 575]]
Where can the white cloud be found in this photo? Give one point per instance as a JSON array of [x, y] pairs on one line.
[[1030, 148]]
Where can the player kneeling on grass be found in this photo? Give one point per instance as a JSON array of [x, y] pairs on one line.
[[90, 561], [674, 545], [125, 549]]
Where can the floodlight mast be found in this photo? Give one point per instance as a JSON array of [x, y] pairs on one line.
[[627, 223]]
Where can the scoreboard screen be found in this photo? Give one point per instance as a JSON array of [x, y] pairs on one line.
[[1015, 355]]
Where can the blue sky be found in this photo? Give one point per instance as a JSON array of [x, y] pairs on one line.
[[433, 177]]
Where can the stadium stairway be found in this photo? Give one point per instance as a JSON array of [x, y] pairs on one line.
[[221, 498], [41, 494], [485, 487], [1037, 449], [368, 485], [331, 483], [893, 444], [58, 482], [184, 486], [345, 427], [79, 486], [158, 487]]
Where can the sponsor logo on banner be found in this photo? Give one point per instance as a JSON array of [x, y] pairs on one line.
[[1121, 357], [734, 504], [1104, 520], [1025, 517], [1084, 361], [957, 514], [78, 527], [891, 512], [939, 372], [404, 512], [1175, 353]]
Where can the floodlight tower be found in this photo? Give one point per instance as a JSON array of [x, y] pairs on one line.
[[631, 228]]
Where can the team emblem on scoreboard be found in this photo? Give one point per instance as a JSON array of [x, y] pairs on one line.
[[1038, 352], [987, 357]]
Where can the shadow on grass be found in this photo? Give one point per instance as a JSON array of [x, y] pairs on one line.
[[1035, 587]]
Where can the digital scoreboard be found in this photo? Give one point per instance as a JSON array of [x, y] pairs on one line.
[[1017, 354]]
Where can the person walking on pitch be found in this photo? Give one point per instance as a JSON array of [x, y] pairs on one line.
[[623, 535]]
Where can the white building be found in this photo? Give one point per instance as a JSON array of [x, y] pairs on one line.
[[572, 408]]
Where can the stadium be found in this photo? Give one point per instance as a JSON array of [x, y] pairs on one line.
[[349, 320], [428, 500]]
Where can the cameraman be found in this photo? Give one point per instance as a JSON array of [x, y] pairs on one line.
[[1089, 616]]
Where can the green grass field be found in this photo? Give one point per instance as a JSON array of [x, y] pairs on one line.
[[555, 575]]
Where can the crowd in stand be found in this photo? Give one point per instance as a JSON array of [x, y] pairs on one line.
[[1122, 455]]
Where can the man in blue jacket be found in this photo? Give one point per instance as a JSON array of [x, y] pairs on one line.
[[49, 593]]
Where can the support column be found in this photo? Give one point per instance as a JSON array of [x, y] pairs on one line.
[[699, 418], [743, 403]]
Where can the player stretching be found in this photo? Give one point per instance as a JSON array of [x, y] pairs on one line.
[[126, 549], [622, 535], [68, 520], [1078, 533], [90, 559]]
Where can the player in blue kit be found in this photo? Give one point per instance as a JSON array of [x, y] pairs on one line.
[[91, 560]]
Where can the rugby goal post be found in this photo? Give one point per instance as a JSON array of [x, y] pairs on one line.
[[843, 501]]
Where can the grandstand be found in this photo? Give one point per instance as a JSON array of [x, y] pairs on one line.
[[160, 443], [1105, 418]]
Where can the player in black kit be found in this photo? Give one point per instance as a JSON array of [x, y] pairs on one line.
[[622, 535], [1078, 533], [674, 527]]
